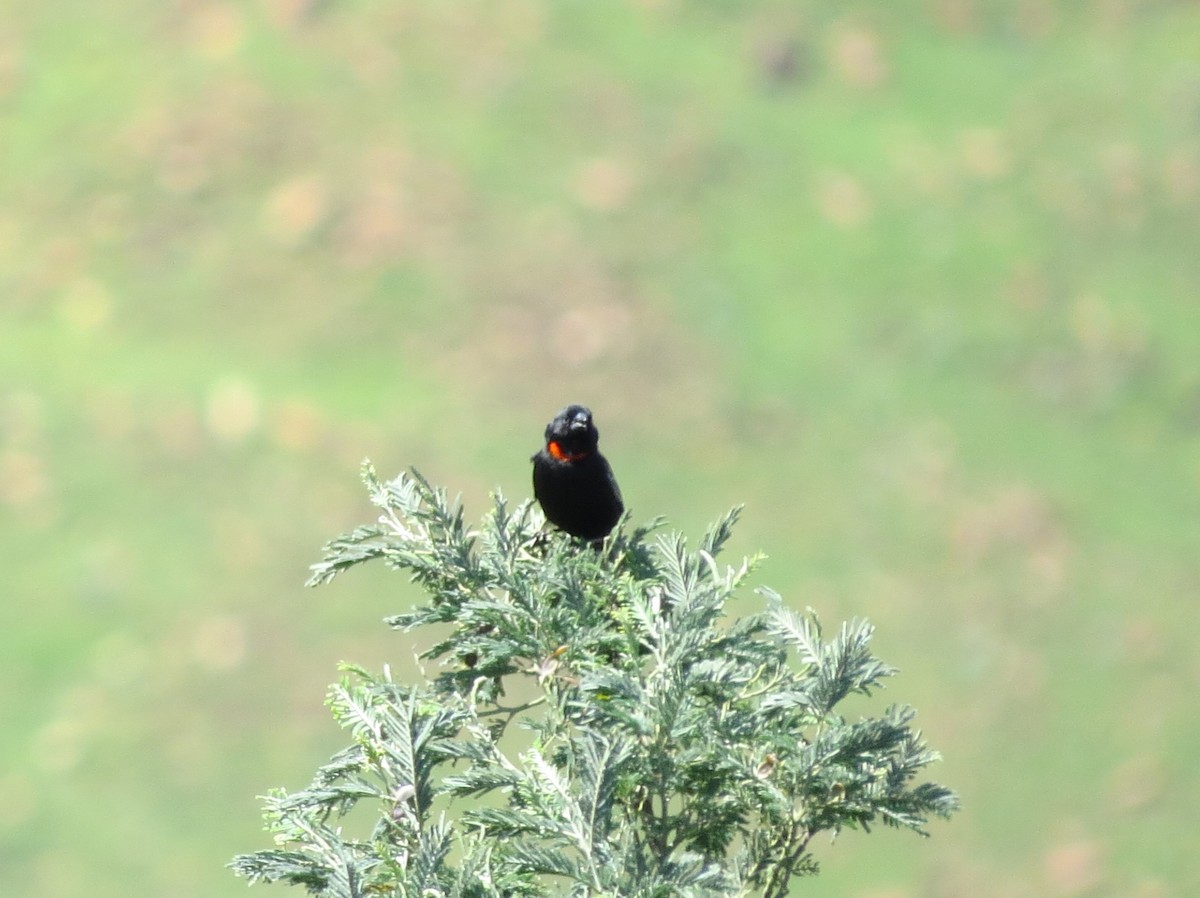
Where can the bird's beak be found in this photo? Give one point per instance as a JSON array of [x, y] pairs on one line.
[[580, 422]]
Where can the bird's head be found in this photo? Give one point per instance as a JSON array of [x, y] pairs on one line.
[[572, 435]]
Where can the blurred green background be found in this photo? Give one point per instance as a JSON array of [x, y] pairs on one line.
[[916, 280]]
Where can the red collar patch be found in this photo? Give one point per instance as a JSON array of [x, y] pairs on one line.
[[559, 454]]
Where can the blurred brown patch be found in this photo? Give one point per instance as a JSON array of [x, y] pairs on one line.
[[1125, 174], [239, 541], [383, 215], [1151, 888], [232, 409], [1137, 783], [1155, 704], [1115, 334], [226, 128], [985, 154], [373, 59], [294, 209], [187, 745], [1016, 520], [178, 430], [659, 7], [442, 204], [298, 425], [926, 167], [1181, 175], [18, 800], [12, 238], [843, 201], [782, 59], [219, 643], [51, 265], [858, 56], [110, 414], [1074, 866], [1123, 170], [1114, 14], [1142, 639], [110, 216], [1023, 671], [184, 166], [376, 227], [970, 875], [604, 184], [1060, 188], [924, 462], [1035, 19], [12, 67], [581, 335], [1016, 516], [217, 30], [1027, 286], [1110, 347], [23, 479], [957, 16], [1048, 567], [288, 13]]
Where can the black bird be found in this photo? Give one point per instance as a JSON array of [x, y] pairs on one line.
[[572, 481]]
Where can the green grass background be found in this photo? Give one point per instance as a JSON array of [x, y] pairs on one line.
[[916, 280]]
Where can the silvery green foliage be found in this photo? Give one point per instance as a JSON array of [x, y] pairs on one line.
[[598, 727]]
